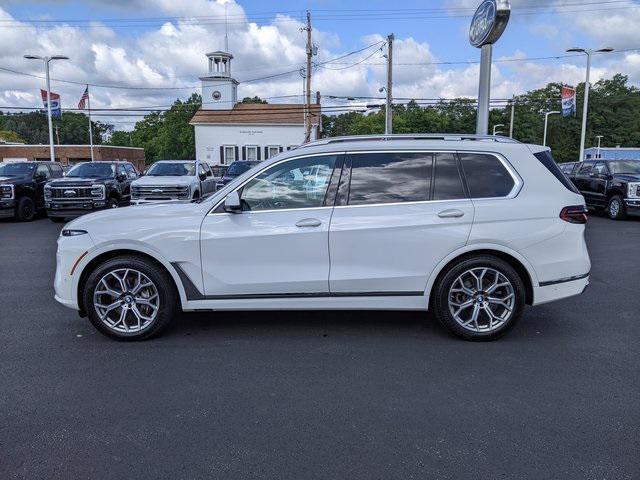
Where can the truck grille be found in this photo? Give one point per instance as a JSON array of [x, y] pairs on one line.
[[159, 192], [71, 193]]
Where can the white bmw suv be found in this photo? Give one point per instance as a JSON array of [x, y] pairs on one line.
[[472, 228]]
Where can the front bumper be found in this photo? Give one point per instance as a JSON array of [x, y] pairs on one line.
[[632, 206], [7, 208], [71, 256], [142, 201], [73, 209]]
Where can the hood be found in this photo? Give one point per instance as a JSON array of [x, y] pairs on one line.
[[78, 181], [15, 179], [172, 181], [627, 177]]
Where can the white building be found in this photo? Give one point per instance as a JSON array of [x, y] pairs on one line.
[[226, 130]]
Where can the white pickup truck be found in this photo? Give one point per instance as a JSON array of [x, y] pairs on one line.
[[173, 180]]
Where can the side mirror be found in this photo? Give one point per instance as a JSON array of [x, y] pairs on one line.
[[232, 203], [202, 176]]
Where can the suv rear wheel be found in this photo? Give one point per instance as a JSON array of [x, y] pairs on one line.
[[479, 298], [130, 298]]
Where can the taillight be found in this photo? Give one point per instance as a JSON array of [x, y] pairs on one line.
[[574, 214]]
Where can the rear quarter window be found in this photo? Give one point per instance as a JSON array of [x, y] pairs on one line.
[[546, 159], [486, 176]]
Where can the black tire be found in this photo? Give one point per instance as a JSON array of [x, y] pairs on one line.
[[57, 219], [616, 209], [167, 296], [441, 292], [196, 195], [25, 210], [112, 202]]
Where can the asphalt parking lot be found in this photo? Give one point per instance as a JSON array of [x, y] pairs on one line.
[[332, 395]]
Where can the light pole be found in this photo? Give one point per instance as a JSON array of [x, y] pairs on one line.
[[546, 121], [599, 137], [46, 61], [495, 128], [588, 52]]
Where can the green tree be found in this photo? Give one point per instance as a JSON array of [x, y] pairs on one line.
[[9, 136], [255, 99]]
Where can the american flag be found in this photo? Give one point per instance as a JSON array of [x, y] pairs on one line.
[[83, 99]]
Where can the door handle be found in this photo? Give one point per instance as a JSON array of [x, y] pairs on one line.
[[451, 213], [308, 222]]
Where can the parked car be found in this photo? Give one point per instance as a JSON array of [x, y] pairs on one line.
[[22, 188], [173, 180], [470, 227], [89, 186], [236, 169], [219, 170], [611, 185]]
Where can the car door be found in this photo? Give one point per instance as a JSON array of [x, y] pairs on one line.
[[41, 176], [583, 180], [598, 183], [278, 245], [124, 181], [396, 218], [207, 185]]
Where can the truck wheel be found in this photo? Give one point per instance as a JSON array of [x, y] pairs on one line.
[[112, 203], [479, 298], [26, 210], [196, 195], [130, 298], [616, 209]]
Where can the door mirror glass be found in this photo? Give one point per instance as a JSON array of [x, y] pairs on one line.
[[202, 176], [232, 203]]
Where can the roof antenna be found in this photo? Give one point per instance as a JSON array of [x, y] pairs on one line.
[[226, 30]]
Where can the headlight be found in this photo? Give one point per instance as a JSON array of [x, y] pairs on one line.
[[73, 233], [97, 192], [634, 190], [47, 191], [6, 191]]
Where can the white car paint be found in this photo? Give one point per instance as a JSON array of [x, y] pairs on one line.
[[357, 257]]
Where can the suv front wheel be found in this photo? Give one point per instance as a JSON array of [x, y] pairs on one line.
[[479, 298], [130, 298], [616, 208]]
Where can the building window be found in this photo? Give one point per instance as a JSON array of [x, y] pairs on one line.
[[229, 155], [251, 153], [273, 150]]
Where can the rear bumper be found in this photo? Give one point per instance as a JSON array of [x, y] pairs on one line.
[[559, 289]]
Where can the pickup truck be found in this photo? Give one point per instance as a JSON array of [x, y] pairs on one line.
[[173, 180]]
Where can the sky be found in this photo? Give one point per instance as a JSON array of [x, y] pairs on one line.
[[147, 53]]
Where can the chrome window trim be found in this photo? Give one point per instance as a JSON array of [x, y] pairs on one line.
[[517, 187]]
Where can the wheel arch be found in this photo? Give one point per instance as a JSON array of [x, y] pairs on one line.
[[101, 257], [519, 264], [614, 191]]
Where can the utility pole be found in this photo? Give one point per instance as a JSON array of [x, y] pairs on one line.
[[307, 133], [319, 112], [513, 112], [388, 118], [57, 135], [599, 137]]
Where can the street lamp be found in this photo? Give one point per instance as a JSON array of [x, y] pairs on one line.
[[495, 127], [588, 52], [546, 120], [46, 61], [599, 137]]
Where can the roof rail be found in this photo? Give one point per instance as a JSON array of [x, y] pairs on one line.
[[413, 136]]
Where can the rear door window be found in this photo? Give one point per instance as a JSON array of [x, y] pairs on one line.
[[394, 177], [486, 176], [447, 183], [547, 160], [585, 168]]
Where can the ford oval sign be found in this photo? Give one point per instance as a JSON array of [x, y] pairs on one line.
[[489, 22]]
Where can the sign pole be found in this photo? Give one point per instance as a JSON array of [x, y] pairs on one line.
[[90, 129], [484, 90]]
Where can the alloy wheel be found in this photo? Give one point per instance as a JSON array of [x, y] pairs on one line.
[[126, 300], [614, 208], [481, 299]]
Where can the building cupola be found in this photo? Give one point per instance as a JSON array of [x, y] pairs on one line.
[[219, 89]]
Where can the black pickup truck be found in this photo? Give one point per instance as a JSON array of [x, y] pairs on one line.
[[22, 188], [611, 185], [88, 187]]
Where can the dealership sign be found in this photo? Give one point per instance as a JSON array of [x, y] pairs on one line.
[[489, 22]]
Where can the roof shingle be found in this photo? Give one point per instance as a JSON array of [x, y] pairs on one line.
[[284, 113]]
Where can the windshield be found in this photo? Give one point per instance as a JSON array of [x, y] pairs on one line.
[[92, 170], [631, 167], [171, 169], [16, 169], [238, 168]]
